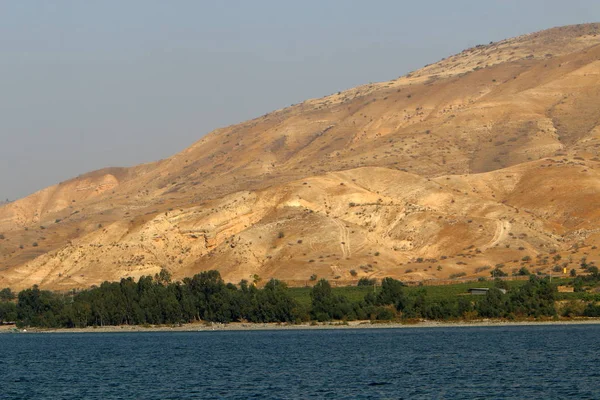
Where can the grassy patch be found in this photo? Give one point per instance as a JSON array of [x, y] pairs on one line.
[[435, 293]]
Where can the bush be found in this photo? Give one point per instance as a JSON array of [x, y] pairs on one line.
[[481, 269], [366, 282], [557, 268], [592, 310], [7, 294], [497, 273], [385, 314], [8, 312]]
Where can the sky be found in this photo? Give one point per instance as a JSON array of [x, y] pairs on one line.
[[86, 85]]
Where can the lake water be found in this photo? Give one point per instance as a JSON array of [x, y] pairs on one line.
[[518, 362]]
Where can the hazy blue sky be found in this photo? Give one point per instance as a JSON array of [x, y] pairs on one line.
[[89, 84]]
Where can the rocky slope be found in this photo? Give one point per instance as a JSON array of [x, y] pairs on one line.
[[487, 157]]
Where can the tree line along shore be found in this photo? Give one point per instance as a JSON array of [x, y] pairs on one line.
[[206, 297]]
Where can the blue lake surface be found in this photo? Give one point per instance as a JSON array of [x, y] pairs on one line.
[[515, 362]]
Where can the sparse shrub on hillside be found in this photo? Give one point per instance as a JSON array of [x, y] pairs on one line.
[[557, 268], [313, 277], [458, 275], [353, 272], [281, 235], [497, 273]]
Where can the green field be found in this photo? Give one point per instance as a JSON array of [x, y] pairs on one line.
[[434, 292], [352, 293]]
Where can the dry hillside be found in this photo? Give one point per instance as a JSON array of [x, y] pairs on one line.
[[487, 157]]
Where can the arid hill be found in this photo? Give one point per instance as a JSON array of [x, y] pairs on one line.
[[486, 158]]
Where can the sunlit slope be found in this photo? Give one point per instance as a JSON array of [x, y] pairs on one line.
[[490, 153]]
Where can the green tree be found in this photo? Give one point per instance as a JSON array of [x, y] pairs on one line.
[[493, 305], [37, 307], [322, 301], [535, 298], [163, 277], [391, 293], [327, 306], [8, 312], [7, 295], [274, 304]]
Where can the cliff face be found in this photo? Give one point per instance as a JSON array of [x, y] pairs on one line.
[[487, 157]]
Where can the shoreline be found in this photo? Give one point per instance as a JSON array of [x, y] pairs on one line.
[[242, 326]]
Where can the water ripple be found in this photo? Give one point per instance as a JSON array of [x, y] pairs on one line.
[[550, 362]]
